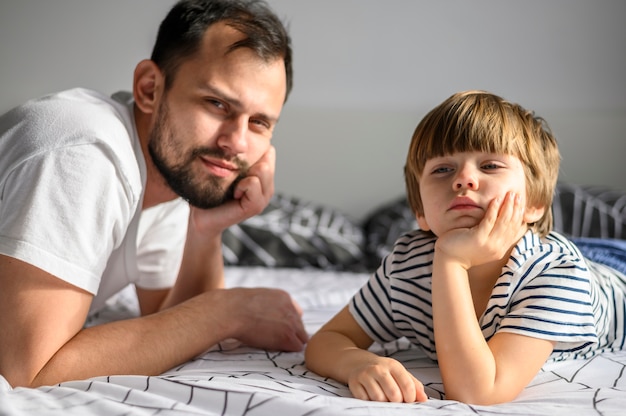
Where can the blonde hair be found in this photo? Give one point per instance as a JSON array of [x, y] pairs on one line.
[[478, 121]]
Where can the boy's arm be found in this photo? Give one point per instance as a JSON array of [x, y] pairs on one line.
[[339, 351], [474, 370]]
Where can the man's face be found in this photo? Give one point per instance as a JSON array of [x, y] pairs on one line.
[[201, 191], [216, 119]]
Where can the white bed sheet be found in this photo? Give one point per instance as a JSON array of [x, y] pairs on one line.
[[246, 381]]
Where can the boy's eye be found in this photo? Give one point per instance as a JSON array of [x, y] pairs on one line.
[[441, 169], [490, 165]]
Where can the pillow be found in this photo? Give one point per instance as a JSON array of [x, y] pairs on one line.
[[295, 233], [589, 211], [383, 227], [610, 252]]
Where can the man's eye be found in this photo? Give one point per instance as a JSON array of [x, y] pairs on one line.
[[215, 103], [260, 123]]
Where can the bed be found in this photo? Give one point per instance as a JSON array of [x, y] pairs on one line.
[[322, 257]]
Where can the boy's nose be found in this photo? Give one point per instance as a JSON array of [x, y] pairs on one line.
[[468, 184], [465, 180]]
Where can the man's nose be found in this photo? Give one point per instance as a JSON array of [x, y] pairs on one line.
[[234, 135]]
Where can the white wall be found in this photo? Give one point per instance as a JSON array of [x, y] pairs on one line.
[[366, 71]]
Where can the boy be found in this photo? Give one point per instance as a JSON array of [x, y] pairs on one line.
[[484, 287]]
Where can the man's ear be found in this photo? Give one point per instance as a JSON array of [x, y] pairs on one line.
[[147, 85], [533, 214]]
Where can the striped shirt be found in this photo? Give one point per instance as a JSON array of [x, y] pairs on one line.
[[546, 290]]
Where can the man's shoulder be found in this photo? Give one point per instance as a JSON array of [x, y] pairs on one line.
[[82, 108], [73, 122], [69, 118]]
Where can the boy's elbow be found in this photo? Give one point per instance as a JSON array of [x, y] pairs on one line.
[[312, 352], [18, 379], [480, 398]]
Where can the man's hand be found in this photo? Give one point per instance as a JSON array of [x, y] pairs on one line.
[[202, 268], [490, 240], [385, 380], [251, 196], [267, 319]]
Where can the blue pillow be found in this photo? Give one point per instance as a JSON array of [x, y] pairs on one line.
[[609, 252]]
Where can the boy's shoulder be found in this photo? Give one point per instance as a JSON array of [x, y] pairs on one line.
[[415, 238], [412, 249], [553, 247]]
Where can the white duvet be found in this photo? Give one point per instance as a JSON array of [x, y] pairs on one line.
[[237, 380]]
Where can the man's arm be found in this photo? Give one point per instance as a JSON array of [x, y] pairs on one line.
[[202, 266], [202, 269], [41, 316], [42, 341]]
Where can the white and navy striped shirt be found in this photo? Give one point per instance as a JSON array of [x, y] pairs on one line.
[[547, 290]]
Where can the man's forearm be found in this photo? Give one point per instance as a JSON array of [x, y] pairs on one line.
[[201, 270], [148, 345]]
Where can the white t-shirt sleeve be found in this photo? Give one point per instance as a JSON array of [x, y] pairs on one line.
[[62, 212]]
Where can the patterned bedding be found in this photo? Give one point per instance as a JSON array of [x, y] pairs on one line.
[[232, 379]]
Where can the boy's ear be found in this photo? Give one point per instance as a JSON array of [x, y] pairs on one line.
[[533, 214], [147, 85]]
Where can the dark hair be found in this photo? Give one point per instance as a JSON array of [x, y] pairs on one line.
[[181, 32]]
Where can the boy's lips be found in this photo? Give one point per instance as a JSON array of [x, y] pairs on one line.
[[462, 202]]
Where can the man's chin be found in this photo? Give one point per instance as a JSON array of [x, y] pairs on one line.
[[205, 203], [211, 199]]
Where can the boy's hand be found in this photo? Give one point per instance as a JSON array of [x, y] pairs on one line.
[[385, 380], [491, 239]]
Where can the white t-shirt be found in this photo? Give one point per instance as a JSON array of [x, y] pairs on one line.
[[72, 177]]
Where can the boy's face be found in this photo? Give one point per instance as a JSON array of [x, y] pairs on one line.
[[456, 189]]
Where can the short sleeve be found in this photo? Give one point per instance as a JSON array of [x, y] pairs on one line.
[[56, 208], [552, 300], [371, 307]]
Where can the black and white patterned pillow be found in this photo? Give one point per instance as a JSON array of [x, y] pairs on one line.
[[383, 227], [589, 211], [295, 233]]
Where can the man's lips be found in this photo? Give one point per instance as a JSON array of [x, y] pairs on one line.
[[219, 167]]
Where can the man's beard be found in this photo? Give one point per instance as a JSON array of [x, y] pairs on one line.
[[210, 192]]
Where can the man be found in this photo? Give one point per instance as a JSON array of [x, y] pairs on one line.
[[93, 196]]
